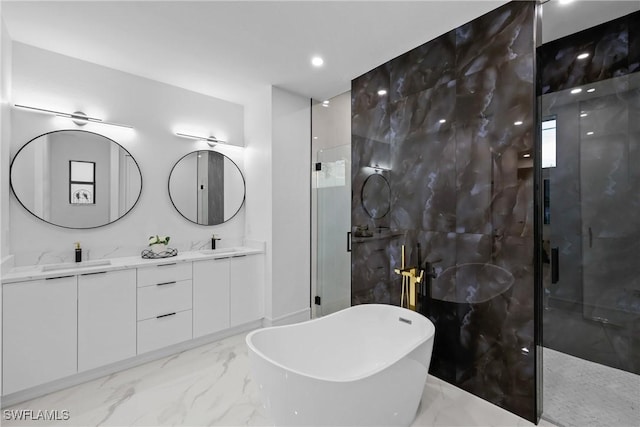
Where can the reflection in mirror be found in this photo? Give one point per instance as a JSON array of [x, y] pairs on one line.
[[376, 196], [206, 187], [75, 179]]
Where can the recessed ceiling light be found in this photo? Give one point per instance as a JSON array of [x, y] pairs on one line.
[[577, 90], [316, 61], [590, 133], [583, 55], [593, 89], [315, 137], [583, 114], [382, 92], [442, 121], [518, 123], [325, 103], [526, 155]]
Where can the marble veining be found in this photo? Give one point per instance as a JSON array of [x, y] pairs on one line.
[[457, 122], [210, 385]]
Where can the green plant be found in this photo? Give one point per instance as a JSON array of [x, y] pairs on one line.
[[155, 240]]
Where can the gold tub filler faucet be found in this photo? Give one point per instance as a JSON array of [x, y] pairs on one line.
[[411, 277]]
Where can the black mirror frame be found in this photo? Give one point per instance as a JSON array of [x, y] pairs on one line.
[[64, 226], [364, 184], [244, 189]]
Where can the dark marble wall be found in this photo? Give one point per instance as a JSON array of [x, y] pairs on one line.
[[593, 311], [453, 129], [613, 48]]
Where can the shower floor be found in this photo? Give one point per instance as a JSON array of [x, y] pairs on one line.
[[581, 393]]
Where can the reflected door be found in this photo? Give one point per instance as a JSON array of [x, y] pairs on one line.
[[334, 222]]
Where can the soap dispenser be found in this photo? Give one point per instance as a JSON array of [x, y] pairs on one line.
[[78, 252]]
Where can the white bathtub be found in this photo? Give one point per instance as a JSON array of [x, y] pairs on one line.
[[365, 365]]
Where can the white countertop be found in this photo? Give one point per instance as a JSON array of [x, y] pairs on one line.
[[36, 272]]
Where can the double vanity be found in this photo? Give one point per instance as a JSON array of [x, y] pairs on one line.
[[66, 323]]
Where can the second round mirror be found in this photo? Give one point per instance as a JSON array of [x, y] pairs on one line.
[[206, 187]]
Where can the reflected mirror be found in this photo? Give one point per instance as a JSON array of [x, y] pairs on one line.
[[75, 179], [376, 196], [206, 187]]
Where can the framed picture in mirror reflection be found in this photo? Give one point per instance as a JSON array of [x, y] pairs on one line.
[[82, 182]]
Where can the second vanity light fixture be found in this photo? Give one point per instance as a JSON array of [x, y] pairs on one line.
[[78, 117], [211, 140]]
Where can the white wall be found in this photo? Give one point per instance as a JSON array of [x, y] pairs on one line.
[[155, 110], [291, 183], [5, 135]]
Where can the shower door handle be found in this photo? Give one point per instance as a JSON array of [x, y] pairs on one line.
[[555, 265], [348, 241]]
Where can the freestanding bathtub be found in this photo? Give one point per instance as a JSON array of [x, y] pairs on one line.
[[362, 366]]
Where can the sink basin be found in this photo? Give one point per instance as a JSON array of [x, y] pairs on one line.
[[221, 251], [71, 265]]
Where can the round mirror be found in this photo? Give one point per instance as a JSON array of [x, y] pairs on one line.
[[206, 187], [75, 179], [376, 196]]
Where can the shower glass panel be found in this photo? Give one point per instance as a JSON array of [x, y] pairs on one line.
[[592, 277], [334, 221]]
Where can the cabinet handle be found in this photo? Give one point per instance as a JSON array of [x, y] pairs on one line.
[[164, 265], [166, 283], [165, 315], [348, 241], [238, 256], [91, 274], [224, 257], [58, 277]]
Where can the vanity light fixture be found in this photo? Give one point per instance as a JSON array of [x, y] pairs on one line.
[[576, 90], [78, 117], [593, 89], [584, 55], [211, 140], [526, 155]]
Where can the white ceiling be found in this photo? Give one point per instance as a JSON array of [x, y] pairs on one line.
[[228, 48]]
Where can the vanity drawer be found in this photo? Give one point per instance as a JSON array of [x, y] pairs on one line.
[[159, 332], [164, 298], [162, 273]]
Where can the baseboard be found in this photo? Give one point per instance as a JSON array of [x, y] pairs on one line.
[[287, 319], [82, 377]]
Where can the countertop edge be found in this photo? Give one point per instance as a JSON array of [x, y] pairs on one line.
[[121, 263]]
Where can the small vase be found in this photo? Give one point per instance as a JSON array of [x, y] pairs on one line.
[[158, 248]]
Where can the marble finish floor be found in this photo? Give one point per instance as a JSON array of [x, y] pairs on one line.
[[581, 393], [210, 386]]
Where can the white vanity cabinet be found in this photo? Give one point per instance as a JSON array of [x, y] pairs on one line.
[[165, 304], [39, 325], [246, 299], [210, 296], [106, 318]]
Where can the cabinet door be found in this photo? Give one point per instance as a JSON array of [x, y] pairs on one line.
[[247, 289], [210, 296], [39, 325], [106, 318]]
